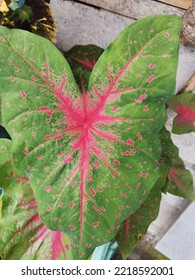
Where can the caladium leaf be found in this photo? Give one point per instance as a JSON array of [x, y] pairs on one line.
[[82, 60], [179, 180], [22, 233], [184, 105], [92, 158]]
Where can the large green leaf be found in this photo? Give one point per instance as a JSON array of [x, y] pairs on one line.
[[92, 158], [184, 105], [22, 233]]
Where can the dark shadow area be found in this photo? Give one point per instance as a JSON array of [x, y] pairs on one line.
[[4, 133]]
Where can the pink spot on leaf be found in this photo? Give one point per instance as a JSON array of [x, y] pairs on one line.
[[130, 142], [23, 94], [40, 157], [71, 204], [12, 172], [139, 136], [48, 189], [92, 191], [145, 108], [123, 195], [46, 110], [116, 162], [151, 78], [57, 137], [144, 175], [34, 78], [99, 189], [26, 151], [48, 136], [141, 98], [71, 227], [60, 204], [129, 127], [126, 153], [68, 160], [166, 34], [95, 224], [152, 66], [49, 208]]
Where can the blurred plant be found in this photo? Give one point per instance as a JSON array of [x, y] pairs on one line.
[[31, 15]]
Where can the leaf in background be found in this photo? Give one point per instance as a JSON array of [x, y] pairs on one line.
[[31, 15], [82, 59], [179, 180], [184, 105], [92, 158], [42, 22], [22, 233]]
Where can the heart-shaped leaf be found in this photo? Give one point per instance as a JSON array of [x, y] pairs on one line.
[[184, 105], [92, 158], [22, 233]]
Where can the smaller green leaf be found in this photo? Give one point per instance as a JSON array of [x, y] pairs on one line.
[[82, 59], [179, 180], [184, 106]]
